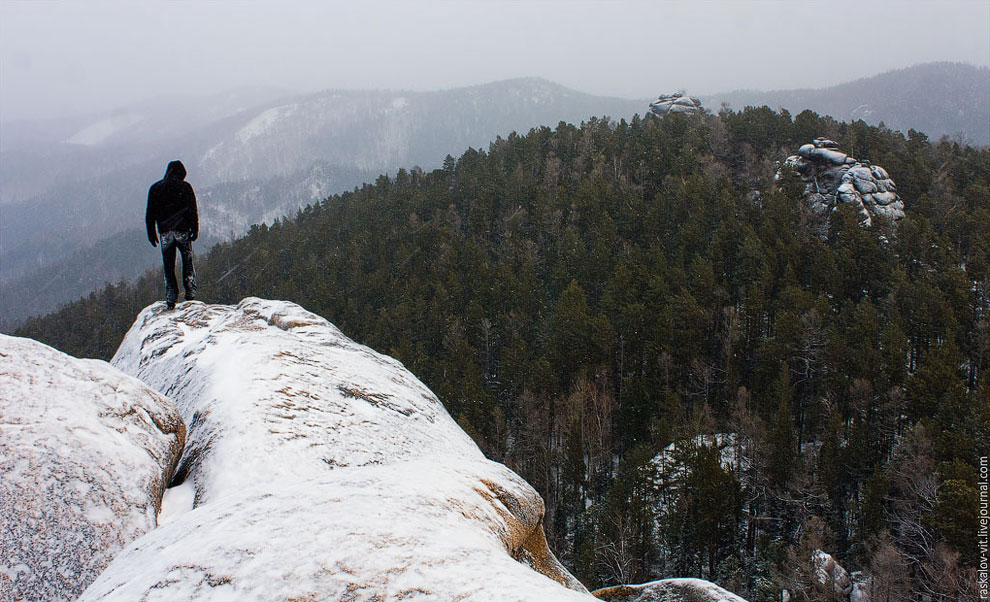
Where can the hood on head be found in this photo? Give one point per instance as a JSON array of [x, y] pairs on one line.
[[175, 170]]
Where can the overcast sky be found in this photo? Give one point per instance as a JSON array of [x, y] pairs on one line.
[[68, 57]]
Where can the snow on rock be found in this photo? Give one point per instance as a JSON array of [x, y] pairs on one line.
[[319, 469], [674, 103], [669, 590], [85, 454], [829, 574], [408, 529], [271, 392], [832, 177]]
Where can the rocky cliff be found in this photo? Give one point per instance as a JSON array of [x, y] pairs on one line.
[[85, 454]]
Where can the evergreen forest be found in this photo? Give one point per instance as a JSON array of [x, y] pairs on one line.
[[644, 319]]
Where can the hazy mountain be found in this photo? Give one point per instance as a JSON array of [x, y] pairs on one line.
[[38, 155], [256, 154], [951, 99], [68, 185]]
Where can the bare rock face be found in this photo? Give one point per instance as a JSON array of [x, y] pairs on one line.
[[85, 454], [318, 469], [668, 590], [832, 177], [674, 103]]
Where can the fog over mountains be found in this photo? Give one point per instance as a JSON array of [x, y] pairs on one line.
[[73, 191], [69, 185]]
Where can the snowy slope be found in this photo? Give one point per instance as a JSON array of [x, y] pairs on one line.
[[85, 454], [321, 470], [102, 130]]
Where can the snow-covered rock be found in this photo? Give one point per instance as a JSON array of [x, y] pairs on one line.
[[669, 590], [85, 454], [829, 574], [318, 469], [832, 177], [469, 529], [674, 103], [272, 392]]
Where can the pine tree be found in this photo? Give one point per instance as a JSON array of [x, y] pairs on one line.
[[783, 452]]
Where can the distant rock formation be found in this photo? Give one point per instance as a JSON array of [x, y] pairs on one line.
[[668, 590], [830, 577], [320, 470], [832, 177], [674, 103], [85, 455]]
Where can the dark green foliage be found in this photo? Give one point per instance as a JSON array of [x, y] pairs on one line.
[[581, 297], [701, 526], [783, 442]]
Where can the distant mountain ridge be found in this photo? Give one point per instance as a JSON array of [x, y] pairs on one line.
[[951, 99], [248, 166], [68, 187], [383, 130]]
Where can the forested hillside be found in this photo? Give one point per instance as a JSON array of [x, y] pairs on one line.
[[583, 298]]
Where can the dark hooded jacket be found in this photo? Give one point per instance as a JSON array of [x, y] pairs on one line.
[[172, 204]]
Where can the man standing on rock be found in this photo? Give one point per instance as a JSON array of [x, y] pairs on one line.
[[172, 207]]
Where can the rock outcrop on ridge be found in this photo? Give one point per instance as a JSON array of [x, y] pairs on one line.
[[85, 455], [319, 470], [674, 103], [831, 177]]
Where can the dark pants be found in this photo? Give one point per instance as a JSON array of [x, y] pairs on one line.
[[170, 242]]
